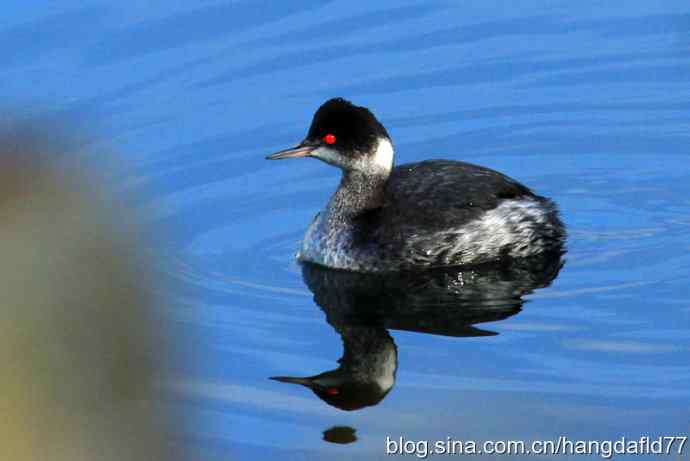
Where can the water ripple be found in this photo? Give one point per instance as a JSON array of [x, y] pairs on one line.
[[188, 27]]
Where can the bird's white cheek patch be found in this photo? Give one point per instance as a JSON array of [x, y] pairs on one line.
[[380, 161], [383, 158]]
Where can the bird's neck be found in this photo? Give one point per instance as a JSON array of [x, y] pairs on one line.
[[357, 193], [362, 188]]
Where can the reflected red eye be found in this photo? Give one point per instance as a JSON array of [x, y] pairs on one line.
[[332, 391], [329, 139]]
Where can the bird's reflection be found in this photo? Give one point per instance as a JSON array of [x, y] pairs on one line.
[[366, 372], [450, 302]]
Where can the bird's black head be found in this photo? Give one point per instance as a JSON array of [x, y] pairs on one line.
[[346, 136], [355, 130]]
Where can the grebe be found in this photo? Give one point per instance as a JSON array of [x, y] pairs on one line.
[[433, 213]]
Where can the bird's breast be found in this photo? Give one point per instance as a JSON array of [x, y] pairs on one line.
[[333, 244]]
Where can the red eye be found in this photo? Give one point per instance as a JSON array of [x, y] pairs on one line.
[[332, 391], [329, 139]]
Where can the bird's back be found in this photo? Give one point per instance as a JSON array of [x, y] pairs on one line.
[[444, 212], [435, 194]]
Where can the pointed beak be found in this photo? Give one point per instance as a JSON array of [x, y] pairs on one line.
[[293, 380], [302, 150]]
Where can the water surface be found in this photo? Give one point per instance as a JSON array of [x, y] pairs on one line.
[[586, 103]]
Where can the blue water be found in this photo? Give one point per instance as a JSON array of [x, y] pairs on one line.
[[587, 103]]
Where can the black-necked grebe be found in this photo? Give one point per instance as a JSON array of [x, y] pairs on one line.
[[433, 213]]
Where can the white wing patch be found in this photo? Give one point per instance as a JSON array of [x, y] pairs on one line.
[[517, 228]]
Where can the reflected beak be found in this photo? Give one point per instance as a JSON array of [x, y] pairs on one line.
[[293, 380], [302, 150]]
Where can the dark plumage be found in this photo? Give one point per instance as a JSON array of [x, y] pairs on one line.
[[438, 194], [420, 215]]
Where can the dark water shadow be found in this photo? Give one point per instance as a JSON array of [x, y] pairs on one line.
[[362, 308], [341, 435]]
